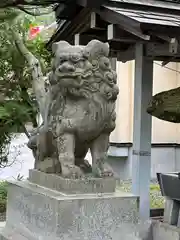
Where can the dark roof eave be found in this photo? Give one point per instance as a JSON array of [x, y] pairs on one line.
[[134, 26]]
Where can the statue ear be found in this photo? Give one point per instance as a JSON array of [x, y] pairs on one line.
[[54, 47], [59, 45], [96, 49]]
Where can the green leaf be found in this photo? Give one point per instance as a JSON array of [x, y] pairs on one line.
[[4, 113], [15, 77]]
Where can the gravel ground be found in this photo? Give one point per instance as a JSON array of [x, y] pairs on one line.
[[156, 199]]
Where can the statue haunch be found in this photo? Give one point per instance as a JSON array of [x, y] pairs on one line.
[[81, 111]]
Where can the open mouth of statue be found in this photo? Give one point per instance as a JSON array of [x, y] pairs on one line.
[[74, 75], [69, 75]]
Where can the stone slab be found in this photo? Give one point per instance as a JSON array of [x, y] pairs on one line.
[[171, 211], [35, 212], [2, 226], [86, 185], [164, 231]]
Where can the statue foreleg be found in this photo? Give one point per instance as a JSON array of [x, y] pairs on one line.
[[66, 146], [99, 148]]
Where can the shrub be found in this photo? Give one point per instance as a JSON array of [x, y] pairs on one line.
[[156, 199], [3, 196]]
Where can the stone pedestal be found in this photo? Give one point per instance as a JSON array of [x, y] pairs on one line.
[[36, 212], [70, 186]]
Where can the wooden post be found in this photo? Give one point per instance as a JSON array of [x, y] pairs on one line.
[[141, 159]]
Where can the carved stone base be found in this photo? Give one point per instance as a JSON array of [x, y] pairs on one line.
[[70, 186], [36, 212]]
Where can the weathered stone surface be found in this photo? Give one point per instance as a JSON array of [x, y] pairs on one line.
[[145, 230], [164, 231], [171, 211], [80, 112], [86, 185], [37, 213]]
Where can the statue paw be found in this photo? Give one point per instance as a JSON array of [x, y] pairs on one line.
[[107, 171], [85, 166], [103, 171], [71, 171]]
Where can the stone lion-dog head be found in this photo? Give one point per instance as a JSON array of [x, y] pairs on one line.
[[83, 70]]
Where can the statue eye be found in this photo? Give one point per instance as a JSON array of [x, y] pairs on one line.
[[62, 60]]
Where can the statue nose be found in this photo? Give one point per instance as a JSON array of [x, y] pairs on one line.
[[66, 67]]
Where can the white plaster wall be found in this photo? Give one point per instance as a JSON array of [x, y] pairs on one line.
[[163, 159], [124, 105], [164, 79]]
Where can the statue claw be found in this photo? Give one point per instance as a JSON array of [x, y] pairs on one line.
[[103, 171], [71, 171], [85, 166]]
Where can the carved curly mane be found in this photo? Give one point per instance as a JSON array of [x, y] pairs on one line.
[[80, 112], [83, 77]]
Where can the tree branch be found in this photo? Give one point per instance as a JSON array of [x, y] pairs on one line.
[[15, 3], [38, 80], [25, 131], [37, 13]]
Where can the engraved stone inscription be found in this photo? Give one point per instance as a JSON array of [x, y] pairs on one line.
[[35, 218], [35, 212]]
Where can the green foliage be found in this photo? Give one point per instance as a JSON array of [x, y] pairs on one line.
[[3, 205], [3, 190], [17, 103], [37, 45], [156, 199], [7, 14], [3, 196]]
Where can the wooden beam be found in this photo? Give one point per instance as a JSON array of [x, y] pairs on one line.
[[161, 30], [83, 39], [116, 46], [165, 38], [115, 33], [77, 25], [173, 42], [96, 22], [158, 55], [90, 3], [113, 54], [64, 11], [128, 55], [150, 5], [164, 63], [157, 36], [124, 22], [173, 45], [77, 40], [157, 49], [166, 59]]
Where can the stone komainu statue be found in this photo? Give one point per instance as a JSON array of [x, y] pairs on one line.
[[80, 111]]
